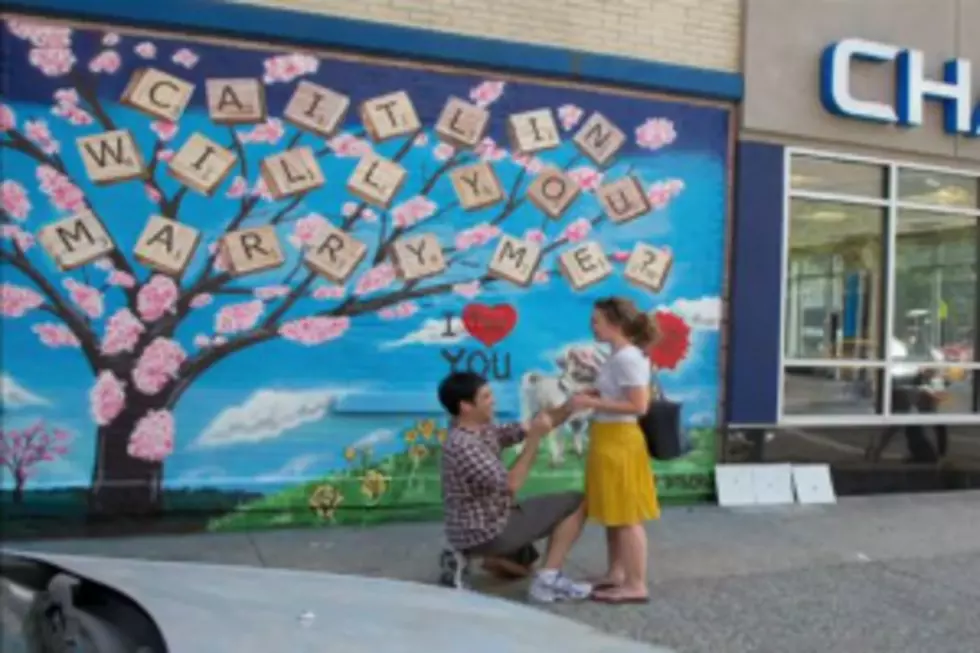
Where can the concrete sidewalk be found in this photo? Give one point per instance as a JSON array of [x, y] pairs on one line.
[[890, 574]]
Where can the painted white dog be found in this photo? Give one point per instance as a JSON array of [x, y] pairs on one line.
[[578, 367]]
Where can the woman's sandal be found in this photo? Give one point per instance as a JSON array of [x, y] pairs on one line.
[[621, 600]]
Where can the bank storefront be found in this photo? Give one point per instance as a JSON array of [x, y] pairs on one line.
[[855, 297]]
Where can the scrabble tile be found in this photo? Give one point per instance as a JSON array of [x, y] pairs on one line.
[[292, 172], [239, 101], [477, 186], [201, 164], [252, 250], [623, 200], [461, 124], [533, 131], [336, 255], [649, 267], [167, 245], [376, 180], [417, 257], [158, 94], [515, 260], [599, 139], [585, 265], [553, 192], [111, 157], [317, 109], [389, 116], [76, 240]]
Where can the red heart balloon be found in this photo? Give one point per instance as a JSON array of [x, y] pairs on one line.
[[489, 324]]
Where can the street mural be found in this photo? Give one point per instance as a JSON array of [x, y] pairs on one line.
[[232, 278]]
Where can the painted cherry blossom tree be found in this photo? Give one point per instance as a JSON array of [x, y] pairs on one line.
[[23, 450], [124, 318]]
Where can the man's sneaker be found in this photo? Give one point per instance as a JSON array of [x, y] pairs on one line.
[[552, 586]]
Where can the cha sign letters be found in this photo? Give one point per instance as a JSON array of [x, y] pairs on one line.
[[961, 110]]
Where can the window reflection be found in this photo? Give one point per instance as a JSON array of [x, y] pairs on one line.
[[832, 391], [834, 281], [840, 177], [939, 190]]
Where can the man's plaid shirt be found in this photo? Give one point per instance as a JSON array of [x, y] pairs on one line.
[[476, 498]]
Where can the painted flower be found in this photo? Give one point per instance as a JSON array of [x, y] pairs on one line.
[[314, 330], [157, 298], [107, 61], [186, 58], [577, 231], [413, 211], [122, 332], [569, 115], [55, 335], [374, 484], [485, 94], [325, 500], [367, 214], [655, 133], [347, 146], [270, 132], [399, 311], [288, 67], [673, 341], [164, 129], [14, 200], [153, 438], [8, 119], [158, 365], [88, 299], [235, 318], [38, 132], [107, 398], [145, 50], [23, 240], [377, 278]]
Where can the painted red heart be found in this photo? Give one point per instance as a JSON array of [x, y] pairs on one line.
[[489, 324]]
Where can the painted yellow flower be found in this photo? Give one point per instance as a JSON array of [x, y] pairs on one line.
[[325, 500], [418, 452], [441, 435], [411, 435], [427, 428], [374, 484], [350, 453]]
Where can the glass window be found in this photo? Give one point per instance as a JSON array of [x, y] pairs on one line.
[[832, 391], [833, 299], [939, 190], [839, 177]]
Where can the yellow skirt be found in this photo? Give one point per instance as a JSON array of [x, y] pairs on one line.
[[619, 484]]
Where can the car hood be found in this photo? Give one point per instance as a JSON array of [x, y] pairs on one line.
[[203, 608]]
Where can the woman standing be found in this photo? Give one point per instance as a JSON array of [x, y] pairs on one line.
[[619, 487]]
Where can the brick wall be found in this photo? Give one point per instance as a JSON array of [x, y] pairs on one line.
[[699, 33]]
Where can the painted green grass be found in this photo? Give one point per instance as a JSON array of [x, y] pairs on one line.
[[406, 487]]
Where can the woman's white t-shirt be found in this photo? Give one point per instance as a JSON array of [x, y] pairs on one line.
[[624, 369]]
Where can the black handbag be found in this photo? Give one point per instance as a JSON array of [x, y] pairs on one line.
[[661, 426]]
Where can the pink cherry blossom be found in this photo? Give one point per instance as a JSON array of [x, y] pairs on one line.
[[17, 301], [8, 119], [569, 115], [153, 438], [157, 298], [577, 230], [202, 300], [288, 67], [13, 200], [238, 188], [55, 335], [588, 179], [655, 133], [121, 279], [66, 106], [23, 240], [145, 50], [235, 318], [476, 236], [485, 94], [660, 193], [399, 311], [202, 340], [421, 140], [377, 278], [158, 365], [271, 132], [271, 292], [367, 213], [220, 263], [620, 256], [62, 193], [152, 193], [40, 35], [52, 62], [110, 39], [37, 131], [346, 146], [262, 190], [532, 164], [442, 152], [122, 332], [541, 277], [186, 58], [329, 292], [87, 298], [164, 129], [468, 290], [314, 330], [488, 150], [307, 230], [107, 398], [413, 210], [107, 61], [535, 236]]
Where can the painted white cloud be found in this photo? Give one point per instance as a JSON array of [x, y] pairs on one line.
[[703, 314], [432, 332], [266, 415], [14, 395], [374, 438], [295, 469]]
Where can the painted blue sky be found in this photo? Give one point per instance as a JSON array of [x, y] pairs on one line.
[[263, 416]]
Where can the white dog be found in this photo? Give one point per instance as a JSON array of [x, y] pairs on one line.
[[578, 367]]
